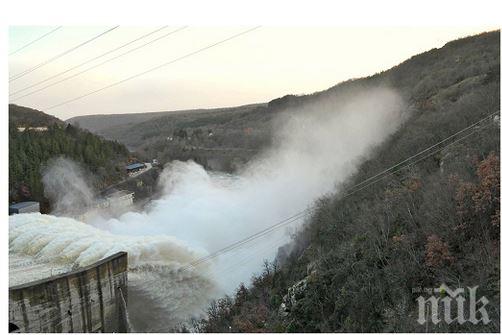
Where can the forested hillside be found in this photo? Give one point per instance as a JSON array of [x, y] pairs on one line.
[[131, 129], [369, 251], [30, 149], [219, 138]]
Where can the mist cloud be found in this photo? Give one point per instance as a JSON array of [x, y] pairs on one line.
[[316, 147], [67, 186]]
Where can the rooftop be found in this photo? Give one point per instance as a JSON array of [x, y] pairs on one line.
[[23, 204], [135, 166]]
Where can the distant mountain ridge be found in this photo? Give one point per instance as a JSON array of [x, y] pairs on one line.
[[98, 123]]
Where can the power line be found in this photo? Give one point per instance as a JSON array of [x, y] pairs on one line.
[[300, 215], [99, 64], [415, 162], [304, 213], [24, 73], [35, 40], [250, 256], [152, 69], [250, 238], [81, 64], [423, 151]]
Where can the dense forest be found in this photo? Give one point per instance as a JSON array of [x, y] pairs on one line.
[[365, 255], [30, 150]]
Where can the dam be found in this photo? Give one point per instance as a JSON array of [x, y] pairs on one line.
[[88, 299], [46, 249]]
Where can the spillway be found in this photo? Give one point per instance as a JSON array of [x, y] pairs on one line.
[[45, 251]]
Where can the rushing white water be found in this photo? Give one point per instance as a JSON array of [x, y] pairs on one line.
[[24, 268], [200, 212], [53, 245]]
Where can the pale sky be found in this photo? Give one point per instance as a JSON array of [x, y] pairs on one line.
[[256, 67]]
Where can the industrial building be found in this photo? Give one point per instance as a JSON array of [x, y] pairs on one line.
[[132, 168], [89, 299], [24, 207]]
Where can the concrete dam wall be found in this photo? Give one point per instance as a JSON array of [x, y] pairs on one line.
[[90, 299]]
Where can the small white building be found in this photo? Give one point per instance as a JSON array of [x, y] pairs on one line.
[[24, 207], [21, 129]]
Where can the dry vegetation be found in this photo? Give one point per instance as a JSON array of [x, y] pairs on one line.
[[355, 264]]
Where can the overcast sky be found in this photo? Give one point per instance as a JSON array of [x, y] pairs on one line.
[[258, 66]]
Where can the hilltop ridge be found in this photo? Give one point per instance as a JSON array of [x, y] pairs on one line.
[[28, 117]]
